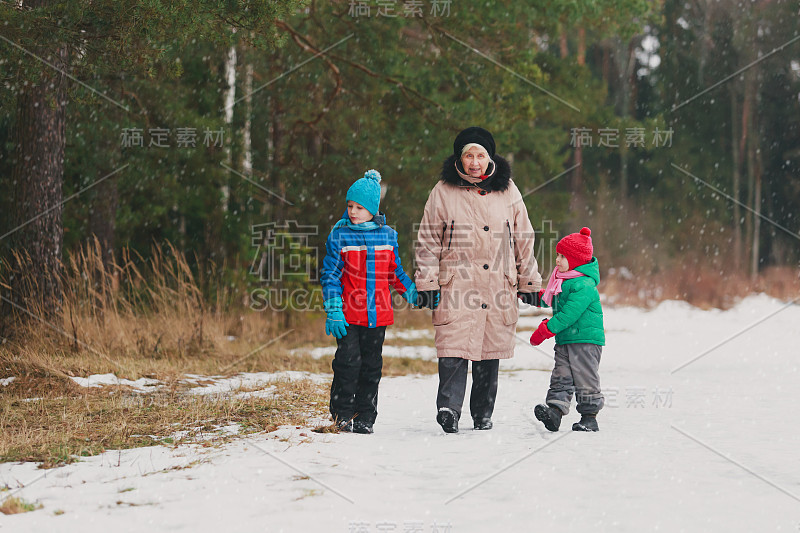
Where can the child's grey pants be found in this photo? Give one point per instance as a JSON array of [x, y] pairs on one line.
[[576, 371]]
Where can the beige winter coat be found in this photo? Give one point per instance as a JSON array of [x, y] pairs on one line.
[[478, 248]]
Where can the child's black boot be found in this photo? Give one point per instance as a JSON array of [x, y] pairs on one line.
[[586, 423], [550, 416]]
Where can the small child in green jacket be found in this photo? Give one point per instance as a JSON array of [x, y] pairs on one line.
[[577, 325]]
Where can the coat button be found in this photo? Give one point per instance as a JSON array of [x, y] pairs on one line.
[[486, 267], [484, 306], [486, 228]]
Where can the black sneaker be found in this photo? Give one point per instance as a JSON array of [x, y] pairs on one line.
[[482, 423], [448, 420], [360, 426], [549, 415], [586, 423]]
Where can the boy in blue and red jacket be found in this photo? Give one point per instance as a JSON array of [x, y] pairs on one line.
[[362, 261]]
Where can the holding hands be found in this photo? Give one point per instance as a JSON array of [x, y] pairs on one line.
[[429, 299], [531, 298], [411, 295]]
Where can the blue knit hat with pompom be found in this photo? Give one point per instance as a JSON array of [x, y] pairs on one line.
[[367, 191]]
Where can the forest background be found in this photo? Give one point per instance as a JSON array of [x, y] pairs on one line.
[[220, 138]]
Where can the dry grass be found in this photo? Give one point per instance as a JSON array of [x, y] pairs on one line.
[[401, 366], [149, 318], [703, 287], [56, 430], [333, 427], [14, 505]]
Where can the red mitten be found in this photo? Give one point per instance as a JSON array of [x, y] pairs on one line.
[[541, 334]]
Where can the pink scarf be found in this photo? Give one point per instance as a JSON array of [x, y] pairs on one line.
[[554, 284]]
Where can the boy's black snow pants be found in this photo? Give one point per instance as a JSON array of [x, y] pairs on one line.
[[357, 369]]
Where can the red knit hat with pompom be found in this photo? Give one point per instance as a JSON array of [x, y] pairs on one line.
[[577, 248]]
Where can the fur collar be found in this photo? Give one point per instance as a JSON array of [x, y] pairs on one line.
[[498, 182]]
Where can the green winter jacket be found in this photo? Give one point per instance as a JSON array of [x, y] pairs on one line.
[[577, 314]]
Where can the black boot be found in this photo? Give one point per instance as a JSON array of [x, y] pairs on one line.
[[586, 423], [344, 426], [482, 423], [360, 426], [448, 420], [549, 415]]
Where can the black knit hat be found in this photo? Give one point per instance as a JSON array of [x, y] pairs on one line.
[[474, 134]]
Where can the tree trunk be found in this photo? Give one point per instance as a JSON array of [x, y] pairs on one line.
[[102, 224], [703, 40], [102, 217], [576, 196], [37, 178], [217, 221], [744, 151], [737, 178], [267, 162], [754, 167], [230, 99], [626, 63], [278, 160], [247, 143], [755, 262]]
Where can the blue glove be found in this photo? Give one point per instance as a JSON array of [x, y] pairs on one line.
[[335, 325], [411, 294]]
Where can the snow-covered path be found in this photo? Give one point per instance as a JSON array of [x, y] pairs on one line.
[[712, 446]]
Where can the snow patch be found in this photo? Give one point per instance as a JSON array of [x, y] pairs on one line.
[[98, 380], [409, 334], [427, 353], [221, 385]]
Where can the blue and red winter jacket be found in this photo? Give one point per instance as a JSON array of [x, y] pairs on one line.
[[359, 267]]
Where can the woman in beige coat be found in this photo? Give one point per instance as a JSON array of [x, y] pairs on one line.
[[474, 253]]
